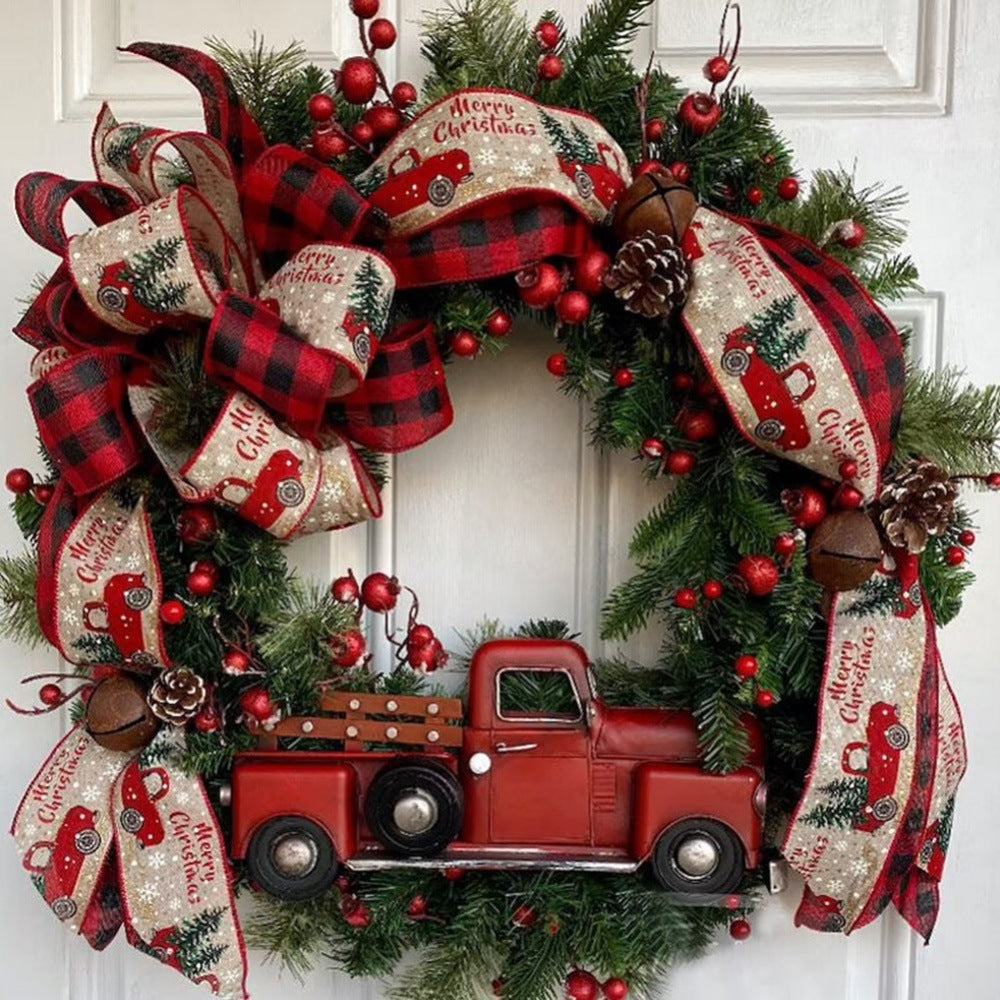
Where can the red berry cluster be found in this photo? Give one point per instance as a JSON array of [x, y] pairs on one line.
[[21, 482], [466, 343], [583, 985], [549, 38]]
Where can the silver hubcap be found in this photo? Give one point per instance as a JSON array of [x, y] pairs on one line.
[[294, 855], [415, 812], [697, 856]]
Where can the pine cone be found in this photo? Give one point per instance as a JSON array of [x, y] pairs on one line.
[[917, 502], [650, 275], [177, 696]]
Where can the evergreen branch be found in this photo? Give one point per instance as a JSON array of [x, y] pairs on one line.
[[18, 610]]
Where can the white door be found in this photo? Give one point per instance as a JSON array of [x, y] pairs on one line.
[[510, 514]]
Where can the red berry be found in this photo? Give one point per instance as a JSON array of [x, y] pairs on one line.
[[954, 556], [716, 69], [768, 159], [50, 695], [806, 507], [539, 286], [558, 365], [550, 67], [700, 427], [465, 344], [329, 145], [582, 985], [547, 35], [358, 79], [197, 525], [345, 588], [785, 546], [497, 987], [404, 95], [686, 598], [653, 449], [19, 481], [420, 635], [382, 33], [755, 196], [993, 481], [747, 666], [683, 382], [759, 573], [848, 498], [788, 189], [740, 930], [712, 589], [623, 378], [207, 720], [417, 907], [649, 167], [573, 307], [848, 469], [499, 323], [379, 592], [202, 583], [967, 538], [429, 656], [384, 119], [256, 702], [322, 107], [655, 128], [173, 612], [615, 989], [524, 917], [850, 234], [363, 134], [680, 172], [348, 648], [453, 874], [235, 663], [43, 493], [700, 113], [590, 270], [364, 8], [680, 463]]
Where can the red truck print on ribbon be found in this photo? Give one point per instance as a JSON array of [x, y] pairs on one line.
[[413, 182], [360, 335], [780, 421], [539, 773], [76, 838], [116, 294], [126, 597], [164, 947], [277, 488], [139, 815], [600, 180], [822, 913], [886, 737]]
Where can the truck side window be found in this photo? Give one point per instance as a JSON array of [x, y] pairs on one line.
[[537, 694]]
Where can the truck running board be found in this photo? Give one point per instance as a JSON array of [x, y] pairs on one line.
[[500, 862]]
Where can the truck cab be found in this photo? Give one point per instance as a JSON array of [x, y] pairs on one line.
[[542, 774]]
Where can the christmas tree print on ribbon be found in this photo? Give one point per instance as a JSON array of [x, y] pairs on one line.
[[144, 275], [776, 345], [188, 947], [366, 321], [572, 144], [844, 809]]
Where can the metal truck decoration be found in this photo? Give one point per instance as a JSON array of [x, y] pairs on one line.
[[541, 775]]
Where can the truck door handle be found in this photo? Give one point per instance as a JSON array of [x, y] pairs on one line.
[[516, 748]]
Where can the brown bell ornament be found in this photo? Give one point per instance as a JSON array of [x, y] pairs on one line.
[[655, 202], [118, 717], [844, 550]]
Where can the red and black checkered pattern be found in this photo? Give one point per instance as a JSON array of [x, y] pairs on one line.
[[291, 200], [38, 326], [404, 400], [502, 236], [40, 199], [225, 116], [248, 346], [84, 422], [868, 343], [60, 513]]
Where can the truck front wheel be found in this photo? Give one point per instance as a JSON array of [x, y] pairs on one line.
[[415, 808], [698, 856], [292, 858]]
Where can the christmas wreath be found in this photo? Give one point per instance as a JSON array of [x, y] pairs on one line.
[[265, 309]]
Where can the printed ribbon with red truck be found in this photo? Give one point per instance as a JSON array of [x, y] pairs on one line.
[[257, 248]]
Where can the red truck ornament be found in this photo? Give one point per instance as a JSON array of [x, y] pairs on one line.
[[567, 783]]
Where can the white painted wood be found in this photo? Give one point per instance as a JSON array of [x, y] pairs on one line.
[[510, 514]]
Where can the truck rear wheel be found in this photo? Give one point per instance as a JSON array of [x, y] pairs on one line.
[[698, 856], [292, 858], [415, 808]]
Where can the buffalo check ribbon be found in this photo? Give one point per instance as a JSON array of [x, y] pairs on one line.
[[107, 837]]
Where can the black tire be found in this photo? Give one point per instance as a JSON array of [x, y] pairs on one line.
[[897, 736], [769, 430], [437, 804], [724, 877], [440, 191], [266, 870]]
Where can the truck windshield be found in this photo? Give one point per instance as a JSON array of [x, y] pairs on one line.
[[591, 681]]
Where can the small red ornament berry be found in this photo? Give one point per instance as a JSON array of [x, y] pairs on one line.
[[848, 498], [202, 583], [590, 270], [345, 588], [683, 382], [550, 67], [573, 307], [768, 159], [465, 344], [765, 699], [680, 171], [497, 987], [50, 695], [208, 720], [848, 469], [256, 703], [759, 573], [453, 874], [363, 134], [653, 449], [429, 656], [382, 33], [235, 663], [19, 481], [524, 917], [417, 907], [330, 145], [623, 378], [322, 107], [172, 612], [364, 8], [655, 129], [348, 648], [716, 69], [700, 426], [747, 666], [680, 463], [547, 35], [755, 196], [686, 598], [539, 286], [358, 79], [993, 481], [379, 592], [967, 538], [806, 507], [615, 989], [732, 901], [558, 365], [404, 95], [582, 985], [384, 119], [850, 234], [740, 930], [699, 113], [712, 590], [355, 913], [499, 323], [420, 635], [197, 525], [785, 546], [954, 556], [788, 189], [43, 493]]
